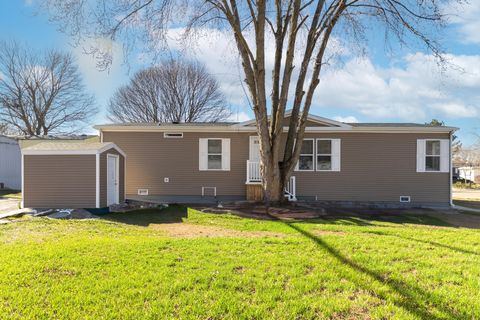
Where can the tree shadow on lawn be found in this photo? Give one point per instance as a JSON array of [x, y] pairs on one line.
[[411, 295], [369, 219], [146, 217]]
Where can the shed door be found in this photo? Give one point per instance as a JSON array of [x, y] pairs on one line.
[[112, 179]]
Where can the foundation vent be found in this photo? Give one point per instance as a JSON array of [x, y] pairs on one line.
[[142, 192], [404, 198]]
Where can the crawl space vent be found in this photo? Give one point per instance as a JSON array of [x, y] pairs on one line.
[[142, 192]]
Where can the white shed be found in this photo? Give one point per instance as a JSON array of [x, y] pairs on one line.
[[10, 163]]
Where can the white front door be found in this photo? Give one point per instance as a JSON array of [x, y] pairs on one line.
[[254, 149], [112, 179]]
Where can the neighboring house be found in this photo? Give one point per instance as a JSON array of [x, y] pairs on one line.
[[469, 174], [10, 163], [386, 164]]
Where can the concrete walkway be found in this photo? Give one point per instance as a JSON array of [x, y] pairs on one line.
[[7, 205], [466, 194]]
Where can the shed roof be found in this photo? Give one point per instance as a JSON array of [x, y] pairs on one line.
[[65, 148]]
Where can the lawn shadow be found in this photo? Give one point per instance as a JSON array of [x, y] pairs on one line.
[[409, 294], [366, 220], [146, 217]]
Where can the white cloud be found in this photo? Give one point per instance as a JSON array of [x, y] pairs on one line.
[[347, 119], [416, 89], [456, 110], [465, 17], [416, 92]]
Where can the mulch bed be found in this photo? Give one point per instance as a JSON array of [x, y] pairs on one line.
[[259, 211]]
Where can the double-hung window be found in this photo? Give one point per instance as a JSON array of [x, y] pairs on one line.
[[324, 154], [433, 155], [214, 154], [307, 154]]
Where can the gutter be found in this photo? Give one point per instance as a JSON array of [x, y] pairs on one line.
[[227, 129]]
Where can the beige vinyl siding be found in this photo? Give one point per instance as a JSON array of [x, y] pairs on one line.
[[59, 181], [103, 176], [376, 167], [151, 158]]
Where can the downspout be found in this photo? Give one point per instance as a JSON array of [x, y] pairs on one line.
[[451, 170]]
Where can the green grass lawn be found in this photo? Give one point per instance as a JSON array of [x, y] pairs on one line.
[[128, 266], [13, 194]]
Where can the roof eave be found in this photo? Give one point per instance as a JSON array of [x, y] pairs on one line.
[[235, 128]]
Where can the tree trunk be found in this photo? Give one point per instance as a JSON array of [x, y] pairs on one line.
[[273, 182]]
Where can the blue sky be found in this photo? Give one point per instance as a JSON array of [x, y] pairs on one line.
[[406, 87]]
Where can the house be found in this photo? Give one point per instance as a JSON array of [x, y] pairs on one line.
[[384, 164], [10, 158], [468, 174]]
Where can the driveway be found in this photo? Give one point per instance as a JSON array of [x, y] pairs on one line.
[[466, 194], [7, 205]]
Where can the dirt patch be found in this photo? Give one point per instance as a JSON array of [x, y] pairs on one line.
[[183, 230], [258, 211]]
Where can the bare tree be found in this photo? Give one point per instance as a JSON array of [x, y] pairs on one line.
[[302, 31], [41, 93], [456, 143], [174, 91]]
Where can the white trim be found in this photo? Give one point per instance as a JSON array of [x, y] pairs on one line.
[[225, 154], [101, 136], [97, 181], [23, 183], [297, 167], [409, 199], [117, 182], [336, 159], [178, 135], [235, 128], [311, 118], [422, 156], [322, 120], [323, 154], [451, 171], [108, 146]]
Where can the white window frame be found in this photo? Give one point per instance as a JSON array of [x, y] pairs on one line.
[[324, 154], [215, 154], [439, 156], [445, 155], [176, 135], [297, 167], [225, 154]]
